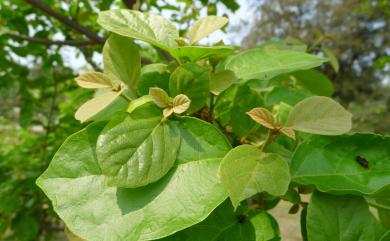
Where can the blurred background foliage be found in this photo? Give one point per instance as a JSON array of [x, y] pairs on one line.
[[44, 44]]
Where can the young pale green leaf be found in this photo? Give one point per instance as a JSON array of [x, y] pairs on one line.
[[71, 236], [262, 116], [331, 164], [147, 27], [160, 97], [181, 103], [205, 26], [93, 106], [231, 107], [265, 64], [195, 53], [146, 213], [332, 59], [94, 80], [341, 218], [224, 224], [319, 115], [220, 81], [193, 81], [246, 170], [122, 61], [134, 152]]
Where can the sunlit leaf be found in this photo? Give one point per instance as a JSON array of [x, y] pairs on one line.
[[160, 97], [93, 106], [246, 170], [205, 26], [147, 27], [181, 103], [319, 115], [265, 64], [94, 80]]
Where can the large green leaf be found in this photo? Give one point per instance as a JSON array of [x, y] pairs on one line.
[[314, 81], [265, 63], [193, 81], [147, 27], [220, 81], [122, 61], [330, 163], [205, 26], [287, 95], [153, 75], [182, 198], [231, 107], [246, 170], [319, 115], [134, 152], [341, 218], [194, 53], [225, 225]]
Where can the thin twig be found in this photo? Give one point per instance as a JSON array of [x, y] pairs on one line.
[[66, 20], [72, 42]]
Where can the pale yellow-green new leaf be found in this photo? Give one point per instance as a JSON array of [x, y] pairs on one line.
[[246, 170], [159, 96], [205, 26], [288, 132], [319, 115], [181, 103], [93, 106], [94, 80], [262, 116]]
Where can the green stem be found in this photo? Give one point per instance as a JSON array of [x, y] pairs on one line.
[[126, 97], [270, 137], [211, 107]]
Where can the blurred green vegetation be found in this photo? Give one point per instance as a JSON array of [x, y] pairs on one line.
[[39, 96]]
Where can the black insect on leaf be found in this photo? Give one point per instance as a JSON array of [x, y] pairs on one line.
[[362, 161], [241, 218]]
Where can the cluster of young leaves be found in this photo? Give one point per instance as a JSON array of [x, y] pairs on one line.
[[168, 144]]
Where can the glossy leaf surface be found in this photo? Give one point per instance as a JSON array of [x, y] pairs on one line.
[[330, 163], [182, 198]]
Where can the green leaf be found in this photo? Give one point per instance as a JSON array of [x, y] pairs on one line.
[[220, 81], [205, 26], [153, 75], [231, 107], [133, 152], [147, 27], [94, 80], [224, 225], [195, 53], [332, 59], [287, 44], [287, 95], [193, 81], [122, 61], [319, 115], [95, 105], [341, 218], [182, 198], [265, 64], [330, 163], [246, 170], [314, 81]]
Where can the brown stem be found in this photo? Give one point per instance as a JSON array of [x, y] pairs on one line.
[[66, 20], [72, 42]]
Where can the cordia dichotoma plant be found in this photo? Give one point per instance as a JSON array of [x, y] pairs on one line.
[[200, 148]]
